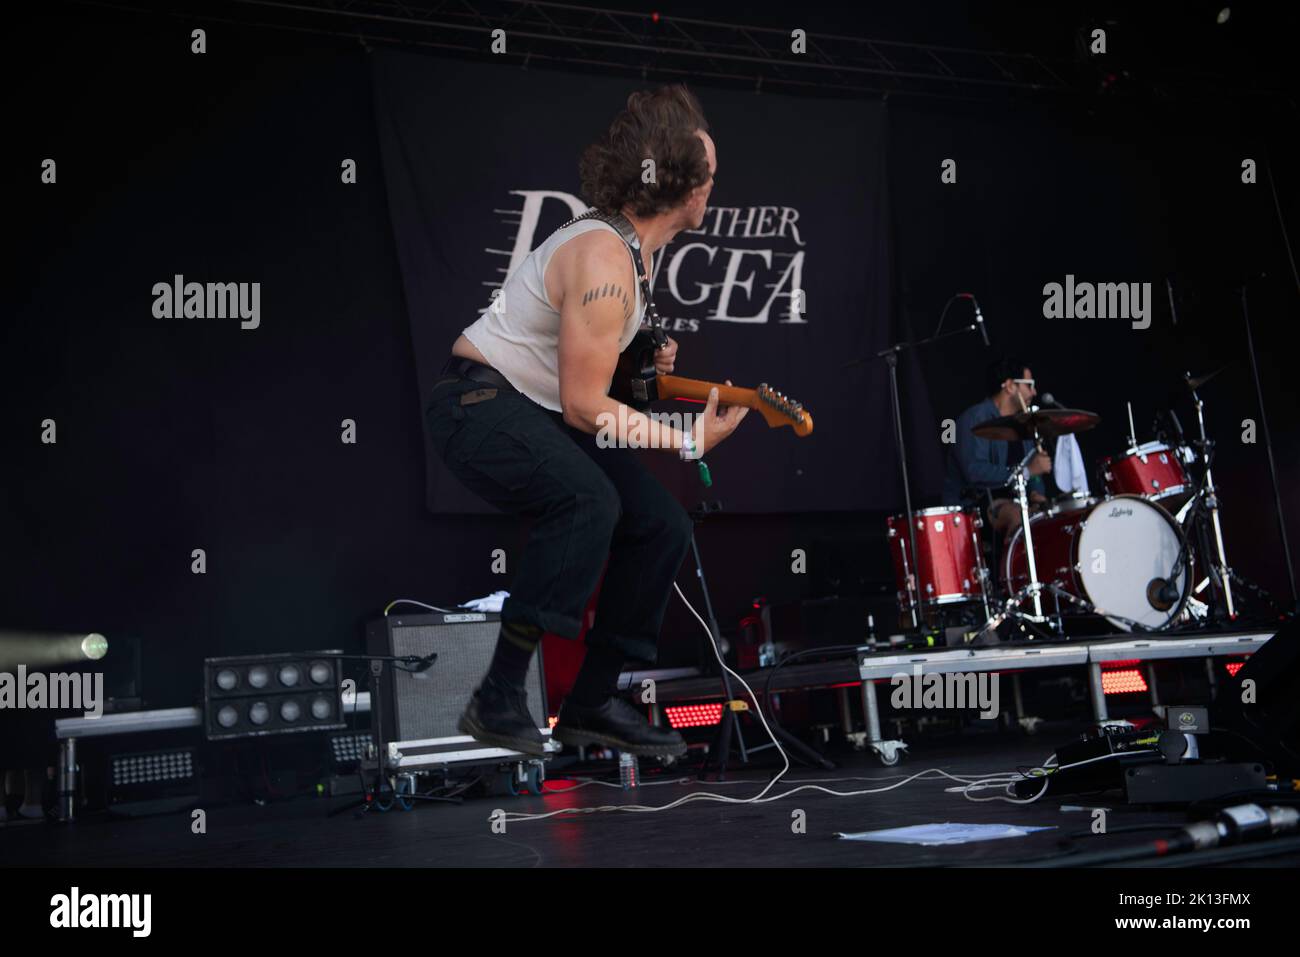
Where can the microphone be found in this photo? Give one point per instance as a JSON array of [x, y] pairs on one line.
[[1162, 593], [424, 663], [1049, 399], [979, 320]]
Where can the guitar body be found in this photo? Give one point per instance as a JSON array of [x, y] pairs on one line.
[[634, 379], [636, 384]]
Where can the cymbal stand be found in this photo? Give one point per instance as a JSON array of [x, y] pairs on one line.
[[1033, 589], [1020, 476], [1220, 560]]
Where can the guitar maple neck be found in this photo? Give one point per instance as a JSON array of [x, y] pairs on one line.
[[777, 409], [678, 387]]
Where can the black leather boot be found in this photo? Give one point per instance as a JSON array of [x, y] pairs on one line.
[[618, 725], [497, 714]]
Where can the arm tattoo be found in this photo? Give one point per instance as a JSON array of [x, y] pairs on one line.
[[612, 290]]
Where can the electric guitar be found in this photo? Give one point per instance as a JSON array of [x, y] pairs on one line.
[[636, 384]]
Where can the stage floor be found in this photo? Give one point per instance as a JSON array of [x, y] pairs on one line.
[[297, 832]]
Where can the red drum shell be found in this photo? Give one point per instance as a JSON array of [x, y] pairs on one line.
[[949, 542], [1152, 471]]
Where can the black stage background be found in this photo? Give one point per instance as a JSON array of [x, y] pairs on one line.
[[178, 434], [802, 206]]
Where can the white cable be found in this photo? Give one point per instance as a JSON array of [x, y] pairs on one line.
[[1046, 771], [760, 798], [412, 601]]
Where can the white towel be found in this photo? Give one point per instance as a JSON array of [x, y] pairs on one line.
[[492, 602], [1067, 466]]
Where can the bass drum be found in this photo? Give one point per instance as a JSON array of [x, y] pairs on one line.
[[1117, 554]]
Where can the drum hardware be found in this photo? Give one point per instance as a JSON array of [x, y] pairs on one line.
[[1125, 556], [1009, 612], [1020, 476], [1211, 497], [1120, 530], [1153, 470], [948, 565], [890, 357]]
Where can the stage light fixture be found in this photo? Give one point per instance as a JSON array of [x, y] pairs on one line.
[[1123, 681], [43, 650], [255, 695], [694, 715], [153, 781], [94, 646]]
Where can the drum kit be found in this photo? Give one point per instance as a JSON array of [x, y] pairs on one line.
[[1130, 558]]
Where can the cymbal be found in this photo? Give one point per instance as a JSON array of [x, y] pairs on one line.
[[1047, 423]]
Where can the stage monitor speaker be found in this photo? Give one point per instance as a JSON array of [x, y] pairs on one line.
[[418, 706], [1271, 721]]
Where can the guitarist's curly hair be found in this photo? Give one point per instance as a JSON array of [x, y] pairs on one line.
[[660, 126]]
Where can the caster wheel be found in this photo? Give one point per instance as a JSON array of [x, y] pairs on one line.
[[405, 786], [889, 760], [535, 779], [517, 788]]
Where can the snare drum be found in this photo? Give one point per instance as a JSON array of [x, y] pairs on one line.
[[951, 558], [1155, 471]]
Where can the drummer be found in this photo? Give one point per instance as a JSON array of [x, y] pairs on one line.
[[978, 471]]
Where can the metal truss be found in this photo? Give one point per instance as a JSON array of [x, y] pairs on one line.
[[574, 36]]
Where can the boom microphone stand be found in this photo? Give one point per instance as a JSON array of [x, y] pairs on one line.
[[1268, 448], [372, 796], [890, 355], [729, 726]]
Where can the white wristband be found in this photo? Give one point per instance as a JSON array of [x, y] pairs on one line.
[[688, 452]]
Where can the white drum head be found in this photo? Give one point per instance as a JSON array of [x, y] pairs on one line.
[[1125, 543]]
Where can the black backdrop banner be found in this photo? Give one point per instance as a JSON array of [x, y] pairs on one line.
[[799, 205]]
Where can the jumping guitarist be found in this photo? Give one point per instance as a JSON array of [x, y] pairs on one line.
[[516, 413]]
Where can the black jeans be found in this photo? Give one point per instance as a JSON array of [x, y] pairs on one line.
[[585, 503]]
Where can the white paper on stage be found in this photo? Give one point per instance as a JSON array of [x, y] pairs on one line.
[[938, 834]]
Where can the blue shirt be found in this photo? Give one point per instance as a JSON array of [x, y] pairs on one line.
[[977, 465]]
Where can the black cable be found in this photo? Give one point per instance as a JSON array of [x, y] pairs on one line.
[[946, 305], [1146, 851], [827, 650], [1231, 854], [1124, 829], [1281, 222]]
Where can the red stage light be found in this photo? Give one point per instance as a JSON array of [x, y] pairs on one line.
[[1123, 681], [694, 715]]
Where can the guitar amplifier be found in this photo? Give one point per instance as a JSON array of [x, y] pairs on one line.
[[424, 706]]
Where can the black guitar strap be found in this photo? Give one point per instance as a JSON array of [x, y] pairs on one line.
[[626, 230]]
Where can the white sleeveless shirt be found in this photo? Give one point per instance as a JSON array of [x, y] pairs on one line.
[[519, 334]]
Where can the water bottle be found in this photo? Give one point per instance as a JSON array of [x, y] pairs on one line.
[[871, 632], [628, 774]]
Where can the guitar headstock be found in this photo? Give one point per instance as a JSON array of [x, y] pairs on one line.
[[779, 409]]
